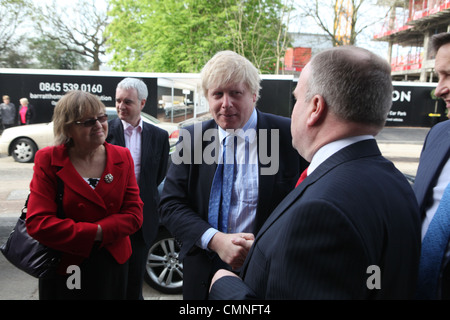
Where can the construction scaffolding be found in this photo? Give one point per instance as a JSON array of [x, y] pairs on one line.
[[408, 29]]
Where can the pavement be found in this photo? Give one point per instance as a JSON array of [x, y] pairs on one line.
[[400, 145], [14, 185]]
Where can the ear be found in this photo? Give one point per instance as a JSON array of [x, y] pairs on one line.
[[143, 101], [318, 110]]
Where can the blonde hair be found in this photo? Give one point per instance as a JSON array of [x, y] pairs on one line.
[[228, 67], [72, 107], [24, 100]]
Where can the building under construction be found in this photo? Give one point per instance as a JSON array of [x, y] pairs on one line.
[[408, 30]]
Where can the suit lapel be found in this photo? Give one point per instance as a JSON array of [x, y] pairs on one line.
[[209, 170], [68, 173], [431, 164], [146, 148], [72, 179], [116, 134], [266, 182], [114, 167]]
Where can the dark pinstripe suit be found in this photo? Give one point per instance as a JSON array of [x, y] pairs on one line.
[[355, 210], [435, 154], [185, 198], [154, 160]]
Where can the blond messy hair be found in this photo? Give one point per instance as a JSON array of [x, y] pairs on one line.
[[228, 67]]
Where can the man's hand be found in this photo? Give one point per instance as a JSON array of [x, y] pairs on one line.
[[232, 248]]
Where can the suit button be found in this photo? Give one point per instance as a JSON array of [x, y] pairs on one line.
[[81, 205]]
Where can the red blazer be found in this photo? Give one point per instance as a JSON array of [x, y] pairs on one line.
[[115, 206]]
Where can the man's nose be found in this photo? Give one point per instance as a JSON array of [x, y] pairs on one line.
[[226, 101], [441, 89]]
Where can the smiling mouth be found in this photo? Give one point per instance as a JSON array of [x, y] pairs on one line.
[[99, 132]]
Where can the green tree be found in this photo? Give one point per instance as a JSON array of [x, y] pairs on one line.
[[11, 58], [52, 55], [258, 30], [181, 36], [13, 15], [164, 36]]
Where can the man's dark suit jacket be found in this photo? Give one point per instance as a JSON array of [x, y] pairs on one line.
[[185, 198], [356, 210], [154, 159], [435, 154]]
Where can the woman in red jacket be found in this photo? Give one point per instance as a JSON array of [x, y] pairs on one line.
[[101, 203]]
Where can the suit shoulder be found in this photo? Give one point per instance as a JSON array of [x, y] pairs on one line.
[[113, 122], [276, 117], [200, 126], [439, 132], [44, 154], [113, 126], [274, 121], [440, 128], [155, 129], [117, 151]]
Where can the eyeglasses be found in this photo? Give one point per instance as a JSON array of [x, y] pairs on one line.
[[91, 122]]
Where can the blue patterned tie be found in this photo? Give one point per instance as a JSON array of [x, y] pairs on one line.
[[220, 197], [434, 245]]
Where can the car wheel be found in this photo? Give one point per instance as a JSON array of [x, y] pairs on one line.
[[23, 150], [164, 272]]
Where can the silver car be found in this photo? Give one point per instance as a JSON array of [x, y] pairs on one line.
[[22, 142]]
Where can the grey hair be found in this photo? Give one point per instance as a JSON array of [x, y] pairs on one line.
[[355, 83], [134, 83]]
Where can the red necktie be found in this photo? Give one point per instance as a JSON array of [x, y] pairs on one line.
[[302, 177]]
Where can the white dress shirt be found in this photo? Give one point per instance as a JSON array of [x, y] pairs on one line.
[[133, 141], [244, 197]]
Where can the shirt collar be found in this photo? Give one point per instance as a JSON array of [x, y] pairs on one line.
[[251, 124], [329, 149], [128, 127]]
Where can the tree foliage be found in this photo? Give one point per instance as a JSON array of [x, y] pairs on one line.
[[181, 36], [52, 55], [12, 14], [258, 30], [78, 28]]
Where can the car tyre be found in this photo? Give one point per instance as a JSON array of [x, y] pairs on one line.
[[23, 150], [164, 272]]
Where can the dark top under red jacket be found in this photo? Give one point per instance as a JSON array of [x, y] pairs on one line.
[[115, 206]]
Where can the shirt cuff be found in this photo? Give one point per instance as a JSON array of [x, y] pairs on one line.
[[206, 238]]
